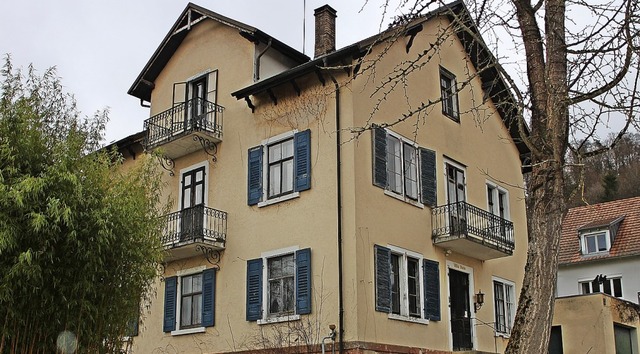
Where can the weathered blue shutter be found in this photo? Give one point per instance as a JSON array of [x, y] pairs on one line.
[[302, 142], [383, 278], [208, 297], [254, 184], [431, 290], [379, 157], [428, 176], [254, 289], [303, 281], [170, 296]]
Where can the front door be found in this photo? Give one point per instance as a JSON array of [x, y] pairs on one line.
[[460, 310], [456, 199], [192, 204]]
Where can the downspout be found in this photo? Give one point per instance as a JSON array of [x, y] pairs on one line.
[[256, 64], [339, 202]]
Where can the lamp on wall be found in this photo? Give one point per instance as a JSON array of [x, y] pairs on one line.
[[479, 301]]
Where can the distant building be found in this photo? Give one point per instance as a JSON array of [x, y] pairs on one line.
[[411, 238], [599, 280]]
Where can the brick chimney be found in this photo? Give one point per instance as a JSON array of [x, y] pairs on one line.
[[325, 30]]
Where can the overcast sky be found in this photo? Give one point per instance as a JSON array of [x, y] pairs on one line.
[[100, 47]]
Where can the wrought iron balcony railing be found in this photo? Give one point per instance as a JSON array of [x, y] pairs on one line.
[[463, 220], [195, 224], [193, 115]]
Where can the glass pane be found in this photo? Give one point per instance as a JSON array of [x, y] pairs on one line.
[[187, 283], [275, 296], [617, 287], [606, 287], [197, 283], [197, 309], [602, 242], [289, 292], [275, 268], [288, 265], [287, 176], [185, 315], [274, 180], [591, 244], [287, 148], [199, 195], [275, 153], [395, 284]]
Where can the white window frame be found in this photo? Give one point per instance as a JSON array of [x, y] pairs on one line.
[[265, 168], [583, 242], [402, 195], [496, 191], [610, 279], [179, 275], [404, 288], [509, 316], [266, 318]]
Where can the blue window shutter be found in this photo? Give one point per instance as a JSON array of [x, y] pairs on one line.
[[208, 297], [303, 281], [254, 184], [431, 290], [383, 278], [379, 157], [170, 295], [428, 177], [302, 142], [254, 289]]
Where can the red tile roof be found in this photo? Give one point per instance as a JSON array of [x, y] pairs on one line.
[[627, 240]]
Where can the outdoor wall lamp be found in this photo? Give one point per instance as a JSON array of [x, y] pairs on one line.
[[479, 301]]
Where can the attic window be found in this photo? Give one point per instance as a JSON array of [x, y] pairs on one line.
[[595, 242]]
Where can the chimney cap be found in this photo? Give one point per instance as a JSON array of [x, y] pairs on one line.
[[325, 8]]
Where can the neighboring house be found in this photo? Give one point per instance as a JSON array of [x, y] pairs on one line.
[[599, 253], [600, 250], [288, 217]]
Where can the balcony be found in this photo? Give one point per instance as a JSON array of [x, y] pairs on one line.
[[188, 230], [186, 127], [471, 231]]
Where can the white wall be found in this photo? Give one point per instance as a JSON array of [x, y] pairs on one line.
[[628, 268]]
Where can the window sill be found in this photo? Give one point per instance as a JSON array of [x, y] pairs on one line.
[[278, 319], [393, 316], [279, 199], [181, 332], [404, 199]]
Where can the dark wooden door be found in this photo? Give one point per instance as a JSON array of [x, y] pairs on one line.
[[460, 310]]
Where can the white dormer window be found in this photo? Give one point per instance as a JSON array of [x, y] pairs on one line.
[[595, 242]]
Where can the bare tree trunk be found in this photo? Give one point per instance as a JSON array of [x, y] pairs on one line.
[[546, 206]]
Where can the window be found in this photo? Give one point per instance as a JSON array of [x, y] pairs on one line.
[[449, 95], [407, 286], [189, 301], [602, 284], [595, 242], [280, 168], [405, 170], [287, 275], [498, 206], [504, 305]]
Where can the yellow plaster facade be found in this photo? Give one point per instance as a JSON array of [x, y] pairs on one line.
[[348, 207]]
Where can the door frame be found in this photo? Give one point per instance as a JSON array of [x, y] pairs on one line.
[[469, 271]]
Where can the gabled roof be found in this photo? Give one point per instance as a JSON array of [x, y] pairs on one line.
[[492, 82], [191, 16], [621, 215]]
